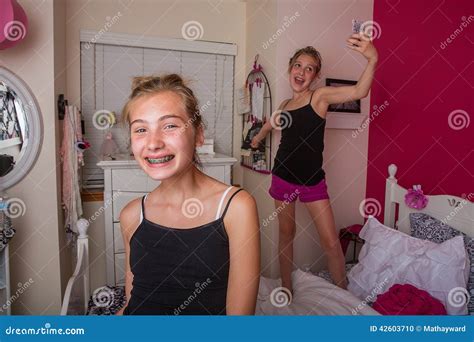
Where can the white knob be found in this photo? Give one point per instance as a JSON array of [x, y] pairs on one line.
[[392, 170]]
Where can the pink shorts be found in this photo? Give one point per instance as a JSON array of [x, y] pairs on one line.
[[281, 190]]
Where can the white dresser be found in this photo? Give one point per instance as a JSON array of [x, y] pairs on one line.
[[125, 181]]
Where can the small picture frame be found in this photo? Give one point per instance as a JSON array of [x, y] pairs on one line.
[[346, 107]]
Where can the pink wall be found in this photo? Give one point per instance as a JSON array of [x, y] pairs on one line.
[[424, 77]]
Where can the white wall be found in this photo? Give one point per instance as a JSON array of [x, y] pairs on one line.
[[261, 24]]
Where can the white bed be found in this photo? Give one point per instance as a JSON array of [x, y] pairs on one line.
[[312, 295]]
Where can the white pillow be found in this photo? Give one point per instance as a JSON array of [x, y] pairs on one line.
[[391, 257]]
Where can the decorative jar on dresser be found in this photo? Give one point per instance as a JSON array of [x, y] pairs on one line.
[[124, 181]]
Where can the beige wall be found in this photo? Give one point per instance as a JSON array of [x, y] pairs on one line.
[[222, 22], [261, 24], [325, 25], [34, 250]]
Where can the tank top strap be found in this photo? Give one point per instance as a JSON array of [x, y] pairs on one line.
[[142, 210], [228, 202], [286, 104], [311, 98], [221, 202]]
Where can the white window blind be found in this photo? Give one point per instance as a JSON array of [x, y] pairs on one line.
[[106, 75]]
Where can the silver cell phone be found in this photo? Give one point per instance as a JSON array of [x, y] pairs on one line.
[[356, 25]]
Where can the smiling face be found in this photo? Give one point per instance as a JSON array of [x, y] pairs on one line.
[[163, 138], [303, 72]]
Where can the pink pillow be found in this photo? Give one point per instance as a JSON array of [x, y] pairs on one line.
[[408, 300]]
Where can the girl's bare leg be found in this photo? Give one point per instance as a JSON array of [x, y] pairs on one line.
[[287, 230], [323, 219]]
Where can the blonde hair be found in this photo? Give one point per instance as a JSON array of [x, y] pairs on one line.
[[310, 51], [152, 85]]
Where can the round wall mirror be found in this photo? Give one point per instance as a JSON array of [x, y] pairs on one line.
[[21, 129]]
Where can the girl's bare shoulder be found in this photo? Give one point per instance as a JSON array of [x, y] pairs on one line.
[[130, 216]]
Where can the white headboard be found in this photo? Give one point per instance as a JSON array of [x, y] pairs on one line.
[[455, 211]]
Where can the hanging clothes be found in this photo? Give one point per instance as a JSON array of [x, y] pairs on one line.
[[72, 159], [6, 228], [258, 91]]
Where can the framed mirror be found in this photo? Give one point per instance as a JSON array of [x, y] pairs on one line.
[[21, 129]]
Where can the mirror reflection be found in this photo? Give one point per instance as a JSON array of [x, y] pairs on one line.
[[13, 128]]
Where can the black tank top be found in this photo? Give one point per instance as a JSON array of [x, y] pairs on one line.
[[179, 271], [299, 159]]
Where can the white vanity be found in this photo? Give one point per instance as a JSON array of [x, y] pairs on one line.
[[124, 181]]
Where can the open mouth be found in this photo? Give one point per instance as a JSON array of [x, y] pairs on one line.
[[299, 80], [162, 160]]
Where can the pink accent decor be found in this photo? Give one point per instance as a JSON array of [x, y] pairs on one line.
[[13, 24], [408, 300], [415, 198]]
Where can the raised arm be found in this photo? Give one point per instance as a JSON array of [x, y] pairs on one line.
[[242, 227], [333, 95], [267, 126]]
